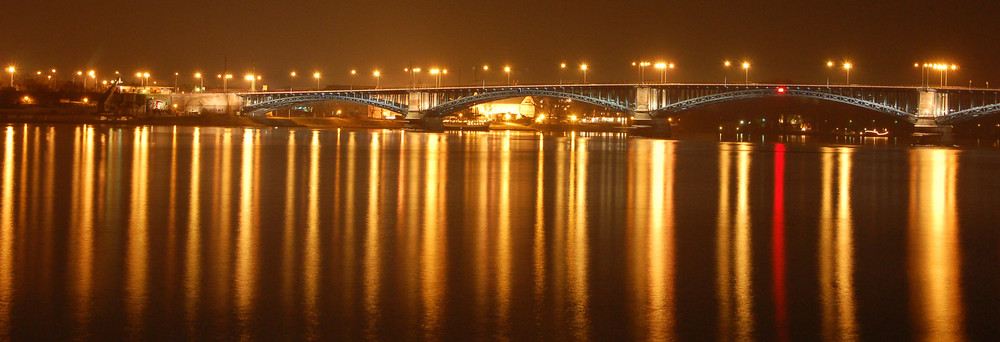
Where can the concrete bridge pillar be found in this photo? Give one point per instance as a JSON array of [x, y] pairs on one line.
[[933, 104], [647, 101], [418, 104]]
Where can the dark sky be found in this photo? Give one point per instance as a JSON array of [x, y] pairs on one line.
[[784, 40]]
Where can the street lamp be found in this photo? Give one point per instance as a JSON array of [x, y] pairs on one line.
[[485, 69], [253, 81], [412, 71], [562, 67], [225, 83], [316, 75], [725, 73], [201, 82], [746, 72], [847, 68], [11, 70], [378, 76], [829, 66], [92, 75], [584, 68], [642, 74], [506, 69], [353, 72]]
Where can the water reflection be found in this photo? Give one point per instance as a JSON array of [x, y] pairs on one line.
[[836, 250], [7, 233], [136, 260], [652, 246], [312, 234], [934, 259], [192, 249]]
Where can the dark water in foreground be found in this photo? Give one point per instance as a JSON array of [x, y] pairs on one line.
[[112, 232]]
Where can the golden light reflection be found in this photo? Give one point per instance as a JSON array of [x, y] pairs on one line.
[[577, 244], [539, 236], [373, 250], [723, 243], [481, 197], [934, 249], [742, 247], [836, 247], [192, 259], [7, 233], [245, 266], [433, 261], [288, 239], [223, 241], [311, 276], [653, 235], [84, 224], [138, 244], [503, 245]]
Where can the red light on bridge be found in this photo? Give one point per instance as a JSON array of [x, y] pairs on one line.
[[781, 90]]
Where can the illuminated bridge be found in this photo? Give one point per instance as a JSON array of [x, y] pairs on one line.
[[925, 106]]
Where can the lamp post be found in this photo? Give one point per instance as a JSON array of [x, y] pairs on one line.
[[746, 72], [253, 81], [413, 71], [584, 68], [11, 70], [562, 67], [291, 77], [642, 73], [201, 82], [317, 75], [847, 68], [725, 73], [93, 75], [378, 76], [485, 69], [225, 83], [829, 66], [506, 69], [353, 73]]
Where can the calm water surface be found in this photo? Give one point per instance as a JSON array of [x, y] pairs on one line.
[[206, 233]]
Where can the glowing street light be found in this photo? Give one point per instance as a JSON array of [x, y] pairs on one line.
[[253, 81], [413, 72], [506, 69], [562, 67], [353, 73], [11, 70], [201, 82], [746, 72], [662, 67], [378, 76], [584, 68], [317, 75], [292, 76], [485, 69], [642, 74], [847, 68], [725, 73], [225, 82], [829, 66]]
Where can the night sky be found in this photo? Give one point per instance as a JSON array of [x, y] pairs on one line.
[[784, 40]]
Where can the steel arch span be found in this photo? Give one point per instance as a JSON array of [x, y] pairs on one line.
[[263, 103], [774, 92], [608, 98], [969, 114]]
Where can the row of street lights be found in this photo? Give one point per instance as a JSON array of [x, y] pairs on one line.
[[438, 73]]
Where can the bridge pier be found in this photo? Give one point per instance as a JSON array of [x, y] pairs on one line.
[[932, 106], [653, 128]]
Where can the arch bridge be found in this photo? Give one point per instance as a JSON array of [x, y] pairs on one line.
[[919, 105]]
